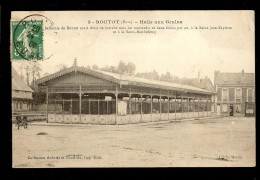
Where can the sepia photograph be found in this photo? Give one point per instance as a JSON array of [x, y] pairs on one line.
[[133, 89]]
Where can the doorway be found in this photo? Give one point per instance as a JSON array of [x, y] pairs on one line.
[[231, 110], [218, 109]]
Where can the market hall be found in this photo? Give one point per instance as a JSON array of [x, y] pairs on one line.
[[87, 96]]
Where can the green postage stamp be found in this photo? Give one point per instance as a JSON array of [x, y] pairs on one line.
[[27, 37]]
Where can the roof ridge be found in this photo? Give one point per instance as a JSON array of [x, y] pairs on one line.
[[18, 83], [124, 77], [173, 83], [234, 73]]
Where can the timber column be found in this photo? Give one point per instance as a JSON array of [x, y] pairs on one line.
[[175, 103], [151, 106], [130, 107], [207, 106], [188, 107], [199, 107], [116, 94], [168, 106], [141, 107], [160, 107], [210, 102], [193, 106], [47, 101], [181, 105], [80, 104]]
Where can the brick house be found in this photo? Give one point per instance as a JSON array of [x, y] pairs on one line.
[[235, 93], [203, 83]]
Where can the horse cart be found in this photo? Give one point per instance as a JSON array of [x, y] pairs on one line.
[[20, 120]]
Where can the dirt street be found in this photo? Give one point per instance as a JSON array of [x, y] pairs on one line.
[[199, 143]]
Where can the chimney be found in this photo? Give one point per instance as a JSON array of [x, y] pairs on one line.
[[199, 76], [243, 72], [215, 75]]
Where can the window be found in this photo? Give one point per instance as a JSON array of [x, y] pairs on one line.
[[238, 108], [224, 108], [224, 95], [238, 94], [250, 95]]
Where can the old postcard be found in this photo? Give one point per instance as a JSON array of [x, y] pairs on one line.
[[133, 89]]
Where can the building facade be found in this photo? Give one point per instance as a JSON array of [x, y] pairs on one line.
[[235, 93], [81, 95], [21, 94]]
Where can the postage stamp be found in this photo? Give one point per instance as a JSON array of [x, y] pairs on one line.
[[133, 89], [27, 40]]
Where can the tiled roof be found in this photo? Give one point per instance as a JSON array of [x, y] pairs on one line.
[[126, 80], [200, 83], [154, 83], [18, 83], [235, 78]]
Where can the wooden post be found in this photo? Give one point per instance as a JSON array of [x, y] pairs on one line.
[[135, 105], [160, 105], [207, 105], [188, 104], [210, 102], [175, 104], [214, 101], [47, 102], [98, 106], [141, 107], [80, 103], [193, 106], [199, 106], [71, 105], [151, 103], [130, 106], [55, 109], [62, 110], [151, 106], [116, 94], [107, 107], [181, 105], [188, 107], [88, 106], [168, 106]]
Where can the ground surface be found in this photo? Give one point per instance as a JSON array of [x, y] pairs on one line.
[[208, 143]]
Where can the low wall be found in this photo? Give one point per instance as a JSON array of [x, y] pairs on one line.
[[31, 117], [123, 119]]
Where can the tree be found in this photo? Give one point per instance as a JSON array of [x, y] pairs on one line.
[[166, 77], [32, 71], [155, 75], [149, 75], [130, 68], [61, 67], [121, 67], [124, 68], [110, 69], [95, 67], [35, 70], [39, 97]]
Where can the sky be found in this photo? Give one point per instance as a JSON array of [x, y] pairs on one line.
[[183, 53]]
